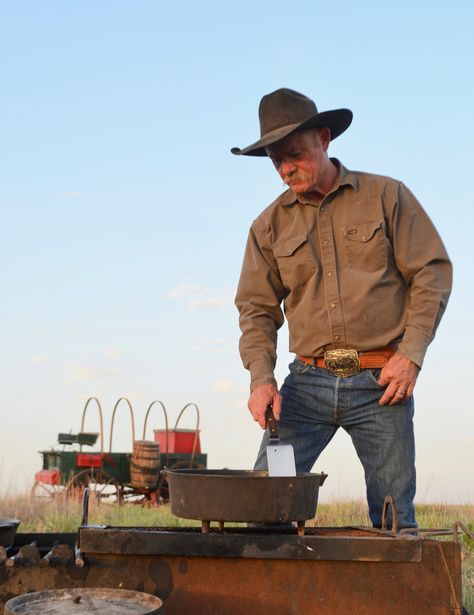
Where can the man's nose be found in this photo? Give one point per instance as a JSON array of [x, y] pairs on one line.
[[286, 167]]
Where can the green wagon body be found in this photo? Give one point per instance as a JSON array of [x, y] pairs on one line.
[[69, 463], [115, 465]]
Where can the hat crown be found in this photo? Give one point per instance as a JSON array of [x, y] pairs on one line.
[[284, 107]]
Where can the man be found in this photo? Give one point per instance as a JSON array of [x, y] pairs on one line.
[[364, 280]]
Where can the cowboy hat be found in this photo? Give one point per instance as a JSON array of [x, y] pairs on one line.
[[284, 111]]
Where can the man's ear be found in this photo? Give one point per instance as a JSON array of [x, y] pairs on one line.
[[325, 137]]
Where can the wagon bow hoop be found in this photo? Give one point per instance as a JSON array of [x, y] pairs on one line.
[[157, 401], [113, 419], [101, 418], [196, 431]]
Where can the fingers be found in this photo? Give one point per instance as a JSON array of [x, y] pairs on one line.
[[260, 398], [411, 388], [398, 391], [262, 420], [399, 376], [399, 397], [384, 378], [277, 406], [395, 394], [258, 415]]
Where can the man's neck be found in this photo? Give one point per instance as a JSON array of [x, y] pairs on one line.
[[328, 178]]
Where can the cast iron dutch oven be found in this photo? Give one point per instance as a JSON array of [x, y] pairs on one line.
[[243, 496], [8, 529]]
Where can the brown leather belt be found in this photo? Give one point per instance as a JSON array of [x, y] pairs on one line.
[[347, 362]]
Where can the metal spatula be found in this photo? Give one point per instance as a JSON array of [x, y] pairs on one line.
[[280, 457]]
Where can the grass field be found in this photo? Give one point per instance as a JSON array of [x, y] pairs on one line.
[[61, 515]]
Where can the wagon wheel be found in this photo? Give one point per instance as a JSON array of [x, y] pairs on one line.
[[132, 495], [44, 492], [102, 486]]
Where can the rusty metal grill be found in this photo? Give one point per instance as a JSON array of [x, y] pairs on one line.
[[328, 570]]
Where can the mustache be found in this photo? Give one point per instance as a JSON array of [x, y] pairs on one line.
[[295, 177]]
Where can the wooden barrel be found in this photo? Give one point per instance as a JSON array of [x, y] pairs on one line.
[[145, 464]]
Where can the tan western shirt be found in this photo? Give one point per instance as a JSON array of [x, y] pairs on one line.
[[363, 269]]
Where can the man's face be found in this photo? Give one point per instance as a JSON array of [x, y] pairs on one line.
[[300, 158]]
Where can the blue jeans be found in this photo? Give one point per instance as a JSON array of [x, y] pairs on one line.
[[316, 404]]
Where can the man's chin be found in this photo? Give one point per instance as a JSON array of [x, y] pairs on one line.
[[299, 187]]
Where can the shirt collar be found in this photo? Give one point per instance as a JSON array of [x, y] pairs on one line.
[[345, 177]]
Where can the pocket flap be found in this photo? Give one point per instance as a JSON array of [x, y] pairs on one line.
[[288, 247], [362, 232]]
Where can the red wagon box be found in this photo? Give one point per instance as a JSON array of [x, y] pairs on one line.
[[179, 440], [48, 477], [89, 460]]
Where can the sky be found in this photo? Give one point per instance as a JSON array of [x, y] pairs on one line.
[[124, 216]]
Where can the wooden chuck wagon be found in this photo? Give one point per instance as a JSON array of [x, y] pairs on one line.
[[132, 476]]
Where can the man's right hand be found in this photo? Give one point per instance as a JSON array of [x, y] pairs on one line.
[[262, 396]]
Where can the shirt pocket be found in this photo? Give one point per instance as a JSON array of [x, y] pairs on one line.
[[366, 246], [295, 260]]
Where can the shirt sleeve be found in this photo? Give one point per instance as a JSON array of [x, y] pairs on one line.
[[422, 260], [259, 296]]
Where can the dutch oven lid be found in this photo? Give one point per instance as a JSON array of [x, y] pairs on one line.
[[81, 601]]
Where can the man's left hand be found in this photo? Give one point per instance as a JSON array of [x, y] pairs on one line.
[[399, 375]]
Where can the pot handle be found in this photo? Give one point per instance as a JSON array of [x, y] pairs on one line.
[[389, 501]]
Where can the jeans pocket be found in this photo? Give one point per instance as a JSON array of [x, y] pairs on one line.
[[374, 375], [298, 367]]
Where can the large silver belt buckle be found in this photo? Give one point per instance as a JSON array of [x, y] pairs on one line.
[[342, 362]]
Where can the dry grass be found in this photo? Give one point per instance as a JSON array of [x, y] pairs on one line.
[[64, 515], [342, 512], [60, 515], [429, 516]]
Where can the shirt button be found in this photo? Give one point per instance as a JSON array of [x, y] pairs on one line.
[[364, 237], [325, 242], [329, 274], [333, 305], [337, 338], [322, 208]]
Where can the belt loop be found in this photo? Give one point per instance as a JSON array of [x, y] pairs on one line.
[[315, 362]]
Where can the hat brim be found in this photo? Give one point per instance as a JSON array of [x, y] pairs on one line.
[[337, 120]]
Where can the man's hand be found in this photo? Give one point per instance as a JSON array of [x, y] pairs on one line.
[[399, 375], [260, 398]]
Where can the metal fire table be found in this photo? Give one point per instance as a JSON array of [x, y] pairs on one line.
[[241, 570]]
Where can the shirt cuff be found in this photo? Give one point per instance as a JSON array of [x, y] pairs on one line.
[[261, 372], [414, 344]]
